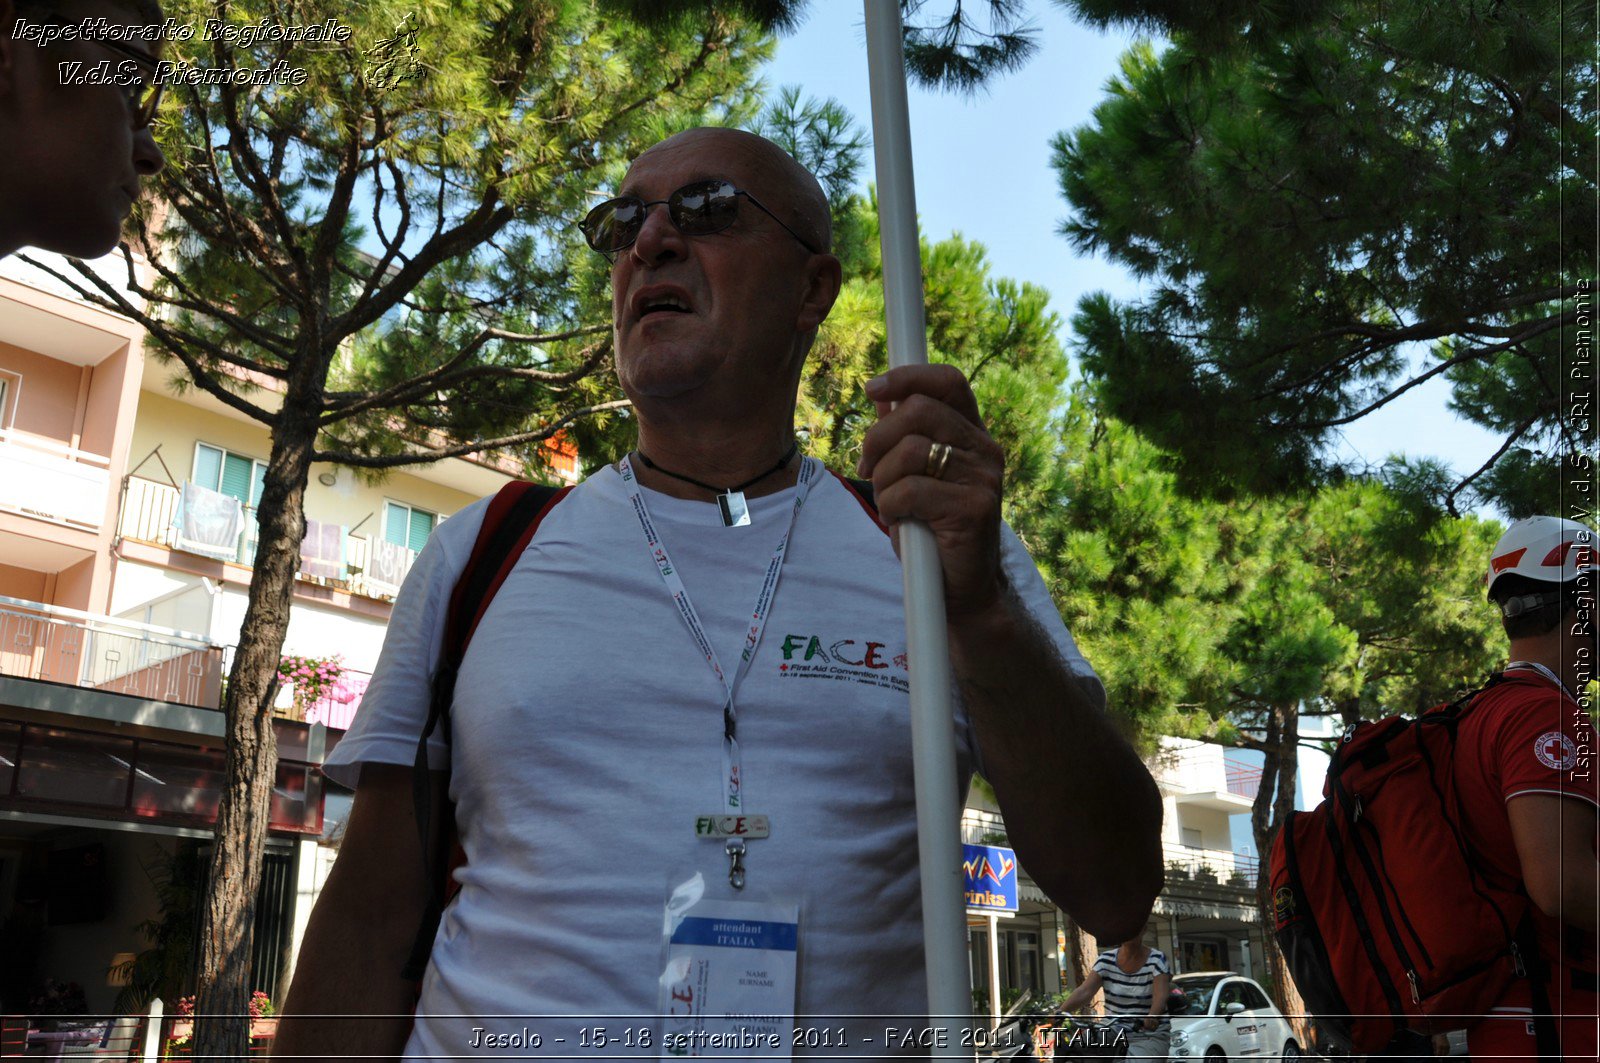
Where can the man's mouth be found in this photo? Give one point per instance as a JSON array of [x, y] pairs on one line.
[[651, 302]]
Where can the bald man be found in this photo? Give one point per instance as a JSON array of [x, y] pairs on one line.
[[73, 155], [710, 633]]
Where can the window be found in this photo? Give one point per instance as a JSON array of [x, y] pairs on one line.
[[1190, 837], [232, 474], [1232, 993], [978, 957], [1253, 998], [10, 386], [407, 526], [1027, 953]]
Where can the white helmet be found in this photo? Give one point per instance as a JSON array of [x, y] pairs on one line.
[[1547, 549]]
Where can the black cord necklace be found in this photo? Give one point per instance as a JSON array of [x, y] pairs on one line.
[[735, 512]]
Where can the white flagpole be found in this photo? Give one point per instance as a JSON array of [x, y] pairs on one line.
[[927, 642]]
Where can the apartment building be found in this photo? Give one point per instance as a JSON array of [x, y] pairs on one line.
[[127, 534], [1206, 918]]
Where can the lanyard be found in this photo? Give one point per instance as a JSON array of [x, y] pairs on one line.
[[1542, 670], [732, 775]]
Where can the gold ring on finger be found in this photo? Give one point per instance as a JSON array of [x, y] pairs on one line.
[[938, 458]]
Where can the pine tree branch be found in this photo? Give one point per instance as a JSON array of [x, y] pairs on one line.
[[1473, 355], [263, 185], [330, 232], [343, 405], [239, 226], [1450, 499], [390, 461], [198, 304], [174, 343], [115, 302]]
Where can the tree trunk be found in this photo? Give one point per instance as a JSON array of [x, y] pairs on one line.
[[1081, 952], [1273, 805], [222, 1026]]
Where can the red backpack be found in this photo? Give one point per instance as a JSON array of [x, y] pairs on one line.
[[1382, 912]]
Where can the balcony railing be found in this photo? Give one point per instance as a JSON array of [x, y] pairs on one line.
[[330, 556], [52, 480], [1217, 865], [105, 653], [58, 645], [1243, 779]]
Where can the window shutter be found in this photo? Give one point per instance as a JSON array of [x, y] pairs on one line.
[[236, 477], [207, 466], [396, 524], [421, 528]]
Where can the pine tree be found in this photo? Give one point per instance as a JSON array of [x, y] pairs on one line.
[[1318, 194]]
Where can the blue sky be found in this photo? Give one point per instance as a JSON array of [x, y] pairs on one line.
[[961, 145]]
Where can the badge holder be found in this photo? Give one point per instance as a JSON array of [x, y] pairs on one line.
[[729, 972]]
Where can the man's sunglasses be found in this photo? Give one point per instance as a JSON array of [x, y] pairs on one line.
[[699, 208], [144, 95]]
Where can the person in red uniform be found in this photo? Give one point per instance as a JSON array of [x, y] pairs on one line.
[[1527, 777]]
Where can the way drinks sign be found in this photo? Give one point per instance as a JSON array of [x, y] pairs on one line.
[[990, 878]]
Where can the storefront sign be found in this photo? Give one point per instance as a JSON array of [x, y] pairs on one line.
[[1202, 910], [991, 877]]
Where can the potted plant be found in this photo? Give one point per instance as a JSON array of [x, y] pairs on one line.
[[1177, 871], [263, 1022], [1205, 873], [313, 677], [57, 999], [162, 970]]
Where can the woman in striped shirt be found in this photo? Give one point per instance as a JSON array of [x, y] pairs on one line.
[[1135, 978]]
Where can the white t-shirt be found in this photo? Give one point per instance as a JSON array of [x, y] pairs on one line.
[[587, 736]]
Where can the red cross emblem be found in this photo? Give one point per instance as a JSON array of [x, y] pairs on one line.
[[1555, 751]]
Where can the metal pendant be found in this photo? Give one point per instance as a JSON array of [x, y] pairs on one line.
[[735, 512]]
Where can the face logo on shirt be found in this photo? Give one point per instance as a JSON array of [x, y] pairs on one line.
[[857, 660], [1556, 751]]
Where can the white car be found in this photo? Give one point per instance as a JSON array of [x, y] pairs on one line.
[[1228, 1016]]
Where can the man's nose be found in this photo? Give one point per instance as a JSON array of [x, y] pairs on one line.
[[147, 157], [659, 239]]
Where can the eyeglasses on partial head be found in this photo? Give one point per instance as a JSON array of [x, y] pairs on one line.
[[699, 208], [144, 93]]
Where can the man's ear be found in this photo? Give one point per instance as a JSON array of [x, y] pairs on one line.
[[823, 278]]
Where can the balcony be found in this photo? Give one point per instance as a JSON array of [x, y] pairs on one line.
[[1185, 863], [1204, 775], [116, 656], [330, 556], [43, 478], [58, 645]]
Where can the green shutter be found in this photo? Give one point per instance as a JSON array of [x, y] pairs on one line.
[[236, 477], [257, 483], [421, 528], [207, 466], [396, 524]]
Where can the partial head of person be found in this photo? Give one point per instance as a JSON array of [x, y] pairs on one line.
[[720, 267], [74, 122], [1542, 576]]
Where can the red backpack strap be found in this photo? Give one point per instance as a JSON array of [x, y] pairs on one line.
[[508, 526], [861, 490]]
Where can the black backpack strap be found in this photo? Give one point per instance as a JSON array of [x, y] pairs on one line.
[[1531, 962], [1545, 1037], [508, 525]]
